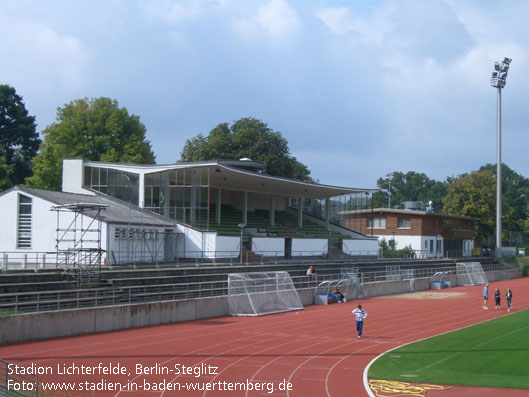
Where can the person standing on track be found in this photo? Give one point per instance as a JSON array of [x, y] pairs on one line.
[[508, 296], [360, 314], [485, 296], [497, 299]]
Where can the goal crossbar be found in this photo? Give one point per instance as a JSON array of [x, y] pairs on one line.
[[470, 273], [260, 293]]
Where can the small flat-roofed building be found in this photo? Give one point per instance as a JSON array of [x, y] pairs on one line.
[[429, 234]]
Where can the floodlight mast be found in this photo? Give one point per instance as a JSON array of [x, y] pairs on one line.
[[498, 80]]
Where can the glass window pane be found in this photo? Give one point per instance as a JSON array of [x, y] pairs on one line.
[[155, 196], [88, 176], [172, 178], [111, 177], [148, 196], [180, 177], [148, 180], [95, 176], [103, 176], [188, 176]]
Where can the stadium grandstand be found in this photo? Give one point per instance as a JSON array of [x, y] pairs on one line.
[[210, 211]]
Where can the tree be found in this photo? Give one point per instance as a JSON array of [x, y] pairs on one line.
[[251, 138], [19, 141], [474, 195], [409, 186], [95, 130], [515, 191]]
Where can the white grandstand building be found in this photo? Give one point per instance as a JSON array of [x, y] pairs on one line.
[[214, 210]]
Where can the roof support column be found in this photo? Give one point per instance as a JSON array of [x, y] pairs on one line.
[[218, 205], [300, 212], [245, 208], [141, 188], [327, 212], [272, 214]]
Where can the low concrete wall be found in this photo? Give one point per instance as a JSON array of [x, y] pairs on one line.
[[28, 327], [504, 275], [34, 326]]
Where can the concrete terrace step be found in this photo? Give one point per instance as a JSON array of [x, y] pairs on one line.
[[12, 288], [31, 277]]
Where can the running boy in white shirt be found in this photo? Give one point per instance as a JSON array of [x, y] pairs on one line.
[[360, 314]]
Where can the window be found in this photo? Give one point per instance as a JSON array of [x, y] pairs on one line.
[[431, 246], [404, 223], [24, 222], [378, 223]]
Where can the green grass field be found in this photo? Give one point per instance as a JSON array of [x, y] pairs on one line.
[[492, 354]]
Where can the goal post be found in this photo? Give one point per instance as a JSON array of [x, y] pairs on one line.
[[256, 294], [470, 273]]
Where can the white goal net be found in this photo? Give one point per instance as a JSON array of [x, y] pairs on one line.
[[470, 273], [256, 294]]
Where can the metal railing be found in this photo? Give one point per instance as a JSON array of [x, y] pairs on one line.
[[16, 260], [32, 302], [12, 383]]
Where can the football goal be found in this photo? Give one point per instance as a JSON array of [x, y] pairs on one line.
[[470, 273], [256, 294]]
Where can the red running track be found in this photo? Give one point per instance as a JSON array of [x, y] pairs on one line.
[[314, 352]]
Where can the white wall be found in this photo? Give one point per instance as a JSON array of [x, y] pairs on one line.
[[8, 214], [425, 246], [43, 225], [72, 176], [209, 241], [131, 246], [360, 247], [268, 246], [468, 246], [191, 245], [228, 247], [309, 246]]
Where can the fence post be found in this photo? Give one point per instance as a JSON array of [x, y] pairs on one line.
[[25, 261], [43, 264]]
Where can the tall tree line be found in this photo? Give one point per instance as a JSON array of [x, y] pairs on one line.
[[100, 130]]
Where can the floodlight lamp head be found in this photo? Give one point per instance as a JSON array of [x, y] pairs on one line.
[[497, 66], [507, 60]]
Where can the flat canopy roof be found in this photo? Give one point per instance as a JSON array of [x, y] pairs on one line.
[[228, 175], [236, 179]]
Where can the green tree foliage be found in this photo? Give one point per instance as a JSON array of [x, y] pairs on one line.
[[95, 130], [19, 141], [251, 138], [409, 186], [515, 191], [474, 195]]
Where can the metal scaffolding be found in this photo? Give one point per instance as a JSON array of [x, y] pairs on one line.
[[78, 240]]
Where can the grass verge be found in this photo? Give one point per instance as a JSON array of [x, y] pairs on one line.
[[491, 354]]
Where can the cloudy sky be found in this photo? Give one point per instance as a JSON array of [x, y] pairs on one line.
[[359, 88]]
